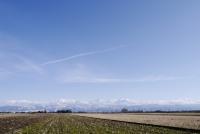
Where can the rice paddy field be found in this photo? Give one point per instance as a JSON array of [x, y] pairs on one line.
[[78, 124]]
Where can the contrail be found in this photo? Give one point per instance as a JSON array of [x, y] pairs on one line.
[[81, 55]]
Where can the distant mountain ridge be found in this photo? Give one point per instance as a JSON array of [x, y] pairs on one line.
[[100, 105]]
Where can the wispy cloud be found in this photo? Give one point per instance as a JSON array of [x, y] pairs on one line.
[[28, 65], [81, 55], [16, 64], [12, 62], [81, 74], [81, 79]]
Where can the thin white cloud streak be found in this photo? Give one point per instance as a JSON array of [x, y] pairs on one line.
[[28, 65], [79, 79], [81, 74], [81, 55], [17, 65]]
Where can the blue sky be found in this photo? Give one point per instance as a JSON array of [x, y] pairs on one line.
[[109, 49]]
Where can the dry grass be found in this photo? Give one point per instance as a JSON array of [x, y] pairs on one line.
[[11, 122], [72, 124], [174, 120], [5, 115]]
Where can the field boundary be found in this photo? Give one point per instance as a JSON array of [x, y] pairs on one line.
[[146, 124]]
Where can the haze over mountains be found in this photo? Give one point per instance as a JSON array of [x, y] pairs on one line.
[[100, 105]]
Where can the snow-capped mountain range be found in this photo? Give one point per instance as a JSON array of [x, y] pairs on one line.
[[100, 105]]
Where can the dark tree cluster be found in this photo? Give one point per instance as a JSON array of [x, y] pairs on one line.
[[124, 110], [64, 111]]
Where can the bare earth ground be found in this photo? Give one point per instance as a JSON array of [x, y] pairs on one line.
[[182, 120], [73, 124], [3, 115], [12, 122], [81, 124]]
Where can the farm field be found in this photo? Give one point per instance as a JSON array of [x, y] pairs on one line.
[[179, 120], [12, 122], [75, 124], [4, 115]]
